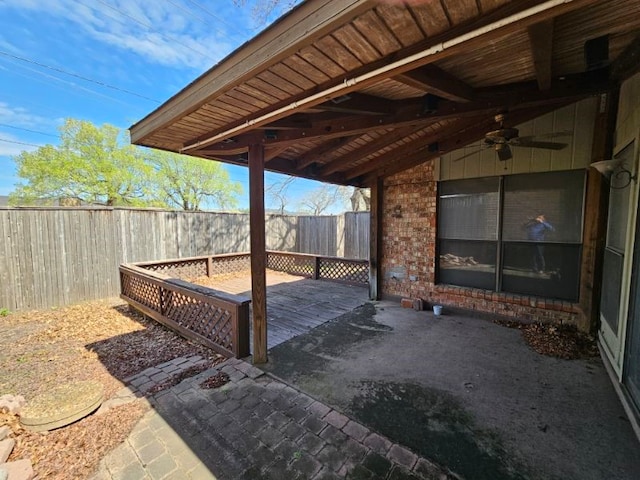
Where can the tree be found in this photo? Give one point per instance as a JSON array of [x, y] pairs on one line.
[[360, 199], [186, 182], [277, 193], [97, 166], [92, 165], [321, 199]]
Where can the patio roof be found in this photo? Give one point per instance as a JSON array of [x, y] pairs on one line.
[[347, 91]]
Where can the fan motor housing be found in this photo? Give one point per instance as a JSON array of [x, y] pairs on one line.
[[502, 135]]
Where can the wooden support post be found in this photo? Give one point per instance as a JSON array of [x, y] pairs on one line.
[[258, 252], [375, 238], [595, 222]]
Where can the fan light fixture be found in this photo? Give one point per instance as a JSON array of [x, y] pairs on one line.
[[615, 168]]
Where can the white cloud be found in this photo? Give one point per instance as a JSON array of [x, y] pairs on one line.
[[166, 32], [20, 117]]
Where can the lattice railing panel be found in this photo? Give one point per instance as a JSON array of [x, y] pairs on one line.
[[205, 319], [189, 268], [219, 321], [230, 264], [347, 271], [292, 264], [141, 290]]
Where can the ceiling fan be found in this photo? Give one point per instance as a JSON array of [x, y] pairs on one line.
[[504, 138]]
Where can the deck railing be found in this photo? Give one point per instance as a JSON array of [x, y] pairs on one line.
[[219, 320]]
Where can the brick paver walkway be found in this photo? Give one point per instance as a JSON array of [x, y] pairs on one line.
[[254, 427]]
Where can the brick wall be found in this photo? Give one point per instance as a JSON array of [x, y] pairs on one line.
[[409, 256]]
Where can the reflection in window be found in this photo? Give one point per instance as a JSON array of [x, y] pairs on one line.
[[536, 252]]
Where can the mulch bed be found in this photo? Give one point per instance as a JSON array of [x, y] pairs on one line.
[[101, 340]]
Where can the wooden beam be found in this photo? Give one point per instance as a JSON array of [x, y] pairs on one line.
[[258, 253], [541, 40], [436, 81], [375, 239]]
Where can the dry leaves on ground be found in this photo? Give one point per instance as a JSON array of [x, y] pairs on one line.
[[100, 340], [560, 341]]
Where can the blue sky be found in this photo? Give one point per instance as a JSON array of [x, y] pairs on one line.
[[109, 61]]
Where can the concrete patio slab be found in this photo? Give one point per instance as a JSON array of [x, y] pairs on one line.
[[465, 393]]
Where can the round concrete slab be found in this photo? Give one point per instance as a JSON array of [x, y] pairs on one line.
[[62, 405]]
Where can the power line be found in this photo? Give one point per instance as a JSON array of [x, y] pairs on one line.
[[20, 143], [28, 130], [150, 27], [71, 74], [71, 84]]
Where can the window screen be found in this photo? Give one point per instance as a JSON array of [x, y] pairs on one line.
[[557, 196], [467, 263], [468, 209]]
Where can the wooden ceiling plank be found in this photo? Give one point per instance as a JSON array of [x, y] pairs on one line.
[[292, 76], [371, 26], [315, 154], [339, 54], [321, 61], [399, 20], [460, 11], [431, 17], [541, 39], [266, 87], [277, 81], [398, 134], [357, 44], [299, 64], [432, 79]]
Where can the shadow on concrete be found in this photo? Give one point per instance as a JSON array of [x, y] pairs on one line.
[[466, 393]]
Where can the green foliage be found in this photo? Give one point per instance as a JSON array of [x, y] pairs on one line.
[[97, 166], [4, 312], [92, 165], [186, 182]]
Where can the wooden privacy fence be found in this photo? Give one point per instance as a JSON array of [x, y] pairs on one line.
[[216, 319], [59, 256]]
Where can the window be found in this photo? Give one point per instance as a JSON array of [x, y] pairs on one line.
[[518, 234]]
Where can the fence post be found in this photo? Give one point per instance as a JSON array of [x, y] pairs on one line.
[[209, 266], [316, 267]]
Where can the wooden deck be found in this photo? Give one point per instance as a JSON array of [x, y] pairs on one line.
[[295, 305]]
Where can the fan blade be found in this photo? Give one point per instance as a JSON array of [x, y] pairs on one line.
[[559, 133], [520, 142], [504, 152]]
